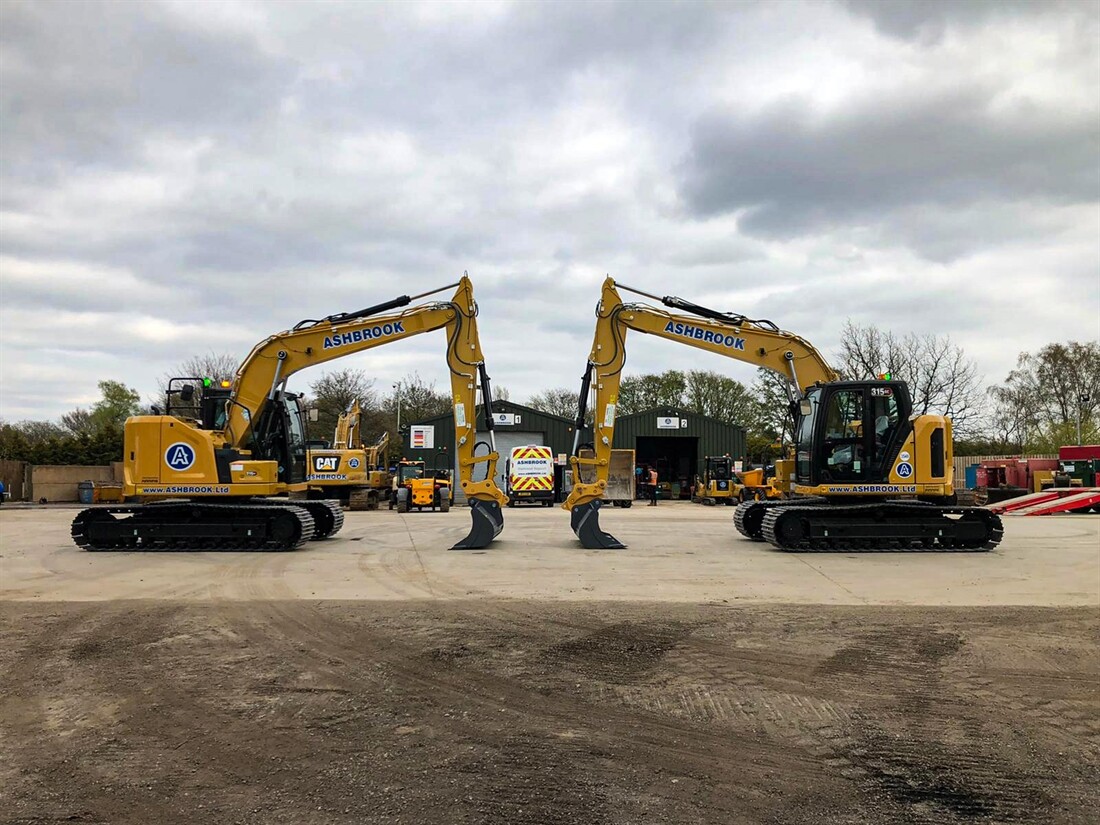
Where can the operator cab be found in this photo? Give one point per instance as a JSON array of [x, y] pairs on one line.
[[408, 470], [719, 468], [279, 434], [849, 432]]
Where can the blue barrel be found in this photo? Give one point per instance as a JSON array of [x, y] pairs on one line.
[[972, 477], [86, 492]]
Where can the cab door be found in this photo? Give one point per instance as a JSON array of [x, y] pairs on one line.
[[843, 453]]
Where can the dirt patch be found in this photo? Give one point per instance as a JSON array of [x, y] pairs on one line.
[[546, 714]]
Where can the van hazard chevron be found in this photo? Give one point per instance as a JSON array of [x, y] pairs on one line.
[[531, 472], [532, 483], [531, 452]]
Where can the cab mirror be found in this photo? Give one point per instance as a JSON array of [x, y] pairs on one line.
[[314, 415], [187, 393], [805, 407]]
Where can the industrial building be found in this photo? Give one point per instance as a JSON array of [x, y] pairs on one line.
[[515, 425], [672, 440], [676, 442]]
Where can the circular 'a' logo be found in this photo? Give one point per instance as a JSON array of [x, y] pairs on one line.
[[353, 463], [179, 456], [904, 470]]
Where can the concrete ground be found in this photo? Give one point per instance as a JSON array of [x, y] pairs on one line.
[[677, 552], [695, 677]]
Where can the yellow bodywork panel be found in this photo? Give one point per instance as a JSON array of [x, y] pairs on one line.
[[166, 457]]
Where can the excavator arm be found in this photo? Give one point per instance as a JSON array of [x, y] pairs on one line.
[[756, 342], [347, 435], [264, 373]]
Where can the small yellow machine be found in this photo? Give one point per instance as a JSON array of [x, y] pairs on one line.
[[414, 486], [207, 480], [754, 486], [718, 484], [866, 474]]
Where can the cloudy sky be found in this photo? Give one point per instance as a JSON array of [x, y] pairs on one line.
[[180, 177]]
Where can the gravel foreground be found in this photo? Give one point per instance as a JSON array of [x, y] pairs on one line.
[[549, 714]]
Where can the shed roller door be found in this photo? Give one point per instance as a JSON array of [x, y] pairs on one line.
[[507, 440]]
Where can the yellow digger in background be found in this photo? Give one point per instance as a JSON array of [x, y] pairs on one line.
[[348, 471]]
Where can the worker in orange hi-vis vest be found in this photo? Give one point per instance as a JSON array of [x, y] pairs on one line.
[[653, 487]]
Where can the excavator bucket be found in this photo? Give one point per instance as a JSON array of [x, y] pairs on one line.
[[488, 522], [585, 521]]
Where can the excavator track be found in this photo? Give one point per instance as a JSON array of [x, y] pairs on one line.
[[328, 516], [190, 525], [888, 526], [748, 518]]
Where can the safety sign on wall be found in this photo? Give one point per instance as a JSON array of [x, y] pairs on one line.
[[422, 436]]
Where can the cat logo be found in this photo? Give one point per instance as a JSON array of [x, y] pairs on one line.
[[326, 463]]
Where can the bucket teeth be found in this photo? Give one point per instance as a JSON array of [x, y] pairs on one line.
[[585, 521], [488, 521]]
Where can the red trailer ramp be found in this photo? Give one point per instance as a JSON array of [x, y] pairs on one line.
[[1055, 500], [1079, 500]]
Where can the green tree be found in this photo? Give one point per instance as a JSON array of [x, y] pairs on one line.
[[642, 392], [118, 403], [718, 396], [558, 401], [1041, 401]]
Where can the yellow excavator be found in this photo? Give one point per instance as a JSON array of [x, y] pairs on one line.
[[349, 471], [866, 474], [205, 483]]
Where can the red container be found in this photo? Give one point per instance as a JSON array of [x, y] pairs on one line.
[[1005, 472], [1071, 452]]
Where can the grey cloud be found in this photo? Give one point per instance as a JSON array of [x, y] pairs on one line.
[[231, 169], [927, 20], [791, 171], [84, 82]]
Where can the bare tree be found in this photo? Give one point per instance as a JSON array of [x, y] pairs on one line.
[[334, 392], [558, 401], [941, 378], [217, 366]]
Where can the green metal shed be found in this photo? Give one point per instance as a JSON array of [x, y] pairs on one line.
[[676, 442], [516, 425]]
